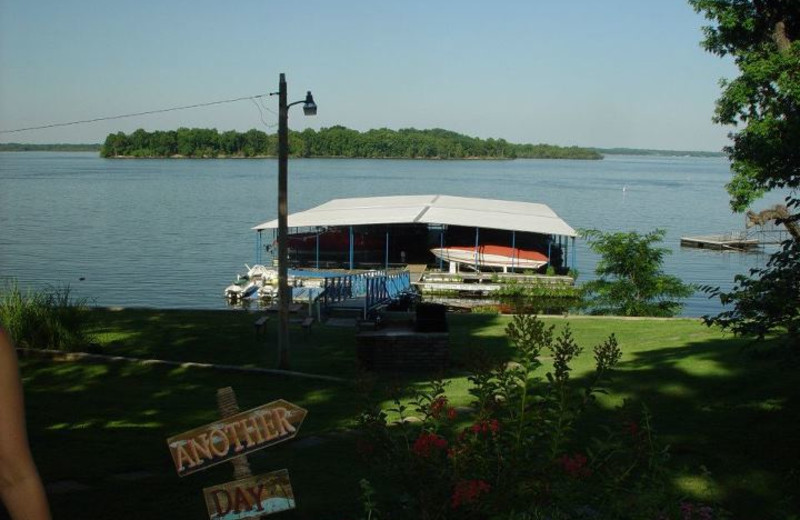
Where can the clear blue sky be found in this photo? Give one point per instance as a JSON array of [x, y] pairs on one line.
[[626, 73]]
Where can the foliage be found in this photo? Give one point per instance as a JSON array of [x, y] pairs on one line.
[[336, 141], [765, 301], [659, 153], [47, 319], [521, 455], [540, 297], [763, 40], [58, 147], [631, 282], [694, 379]]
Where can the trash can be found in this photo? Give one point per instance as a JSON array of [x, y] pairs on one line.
[[431, 317]]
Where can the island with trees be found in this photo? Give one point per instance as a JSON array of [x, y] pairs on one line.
[[334, 142]]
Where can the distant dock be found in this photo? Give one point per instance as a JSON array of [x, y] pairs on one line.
[[722, 242]]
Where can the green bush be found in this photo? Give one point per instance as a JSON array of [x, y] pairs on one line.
[[540, 298], [631, 281], [46, 319], [525, 452]]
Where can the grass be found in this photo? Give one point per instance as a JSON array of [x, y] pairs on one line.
[[49, 318], [732, 417]]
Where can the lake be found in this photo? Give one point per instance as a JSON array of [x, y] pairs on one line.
[[174, 233]]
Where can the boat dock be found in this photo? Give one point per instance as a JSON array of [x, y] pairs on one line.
[[482, 284], [735, 241]]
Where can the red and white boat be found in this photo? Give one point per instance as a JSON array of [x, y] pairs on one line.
[[491, 256]]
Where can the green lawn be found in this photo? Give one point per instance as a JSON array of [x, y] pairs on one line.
[[732, 419]]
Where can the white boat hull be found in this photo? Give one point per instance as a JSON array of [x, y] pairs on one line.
[[491, 256]]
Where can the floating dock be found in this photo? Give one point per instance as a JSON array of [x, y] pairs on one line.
[[723, 242]]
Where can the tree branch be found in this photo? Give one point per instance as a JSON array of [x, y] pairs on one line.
[[781, 39]]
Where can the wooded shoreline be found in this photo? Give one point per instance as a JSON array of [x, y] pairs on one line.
[[334, 142]]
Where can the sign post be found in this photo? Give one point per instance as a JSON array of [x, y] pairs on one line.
[[250, 497], [231, 439], [234, 436]]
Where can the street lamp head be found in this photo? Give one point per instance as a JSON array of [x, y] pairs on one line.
[[309, 107]]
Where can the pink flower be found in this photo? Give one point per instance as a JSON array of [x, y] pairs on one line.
[[468, 491], [427, 444], [437, 405], [632, 428], [575, 466], [485, 426]]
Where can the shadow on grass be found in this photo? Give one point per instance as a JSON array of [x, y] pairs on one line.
[[732, 421], [730, 415], [222, 337], [105, 426]]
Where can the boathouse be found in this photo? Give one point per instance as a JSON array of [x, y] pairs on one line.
[[390, 231]]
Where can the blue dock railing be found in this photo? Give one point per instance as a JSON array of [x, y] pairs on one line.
[[375, 287]]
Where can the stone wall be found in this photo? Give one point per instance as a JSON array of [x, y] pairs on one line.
[[403, 350]]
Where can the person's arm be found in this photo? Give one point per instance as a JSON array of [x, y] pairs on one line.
[[21, 488]]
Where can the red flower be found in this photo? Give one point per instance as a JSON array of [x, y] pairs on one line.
[[485, 426], [575, 466], [428, 443], [451, 414], [632, 428], [437, 405], [468, 491]]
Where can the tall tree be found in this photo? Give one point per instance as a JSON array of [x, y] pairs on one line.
[[763, 103], [763, 38]]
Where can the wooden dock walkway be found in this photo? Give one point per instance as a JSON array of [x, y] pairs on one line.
[[724, 242]]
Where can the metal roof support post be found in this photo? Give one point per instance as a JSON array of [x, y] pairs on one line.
[[441, 246], [258, 247], [351, 248], [317, 248], [549, 249], [477, 232], [565, 252], [574, 255], [386, 254], [513, 247]]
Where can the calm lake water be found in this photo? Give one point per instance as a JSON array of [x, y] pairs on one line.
[[173, 233]]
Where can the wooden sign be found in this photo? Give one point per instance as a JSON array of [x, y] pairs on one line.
[[250, 497], [234, 436]]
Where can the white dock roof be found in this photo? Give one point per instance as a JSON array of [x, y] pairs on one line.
[[431, 209]]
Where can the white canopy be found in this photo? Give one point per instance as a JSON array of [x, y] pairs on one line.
[[431, 209]]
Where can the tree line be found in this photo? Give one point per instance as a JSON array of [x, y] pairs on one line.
[[336, 141], [58, 147]]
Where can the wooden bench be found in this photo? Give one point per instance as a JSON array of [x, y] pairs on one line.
[[261, 325]]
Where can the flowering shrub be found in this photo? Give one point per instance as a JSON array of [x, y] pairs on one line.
[[428, 444], [517, 452]]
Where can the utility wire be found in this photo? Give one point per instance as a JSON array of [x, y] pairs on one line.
[[198, 105], [261, 115]]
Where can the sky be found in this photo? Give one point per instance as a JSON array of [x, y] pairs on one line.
[[617, 73]]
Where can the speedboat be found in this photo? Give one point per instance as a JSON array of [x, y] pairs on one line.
[[259, 281], [491, 256]]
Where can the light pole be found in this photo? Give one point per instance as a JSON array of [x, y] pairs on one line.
[[284, 296]]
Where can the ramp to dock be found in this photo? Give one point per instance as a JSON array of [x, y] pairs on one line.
[[416, 271], [363, 292], [727, 241]]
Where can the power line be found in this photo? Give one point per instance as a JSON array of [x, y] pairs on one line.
[[149, 112]]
